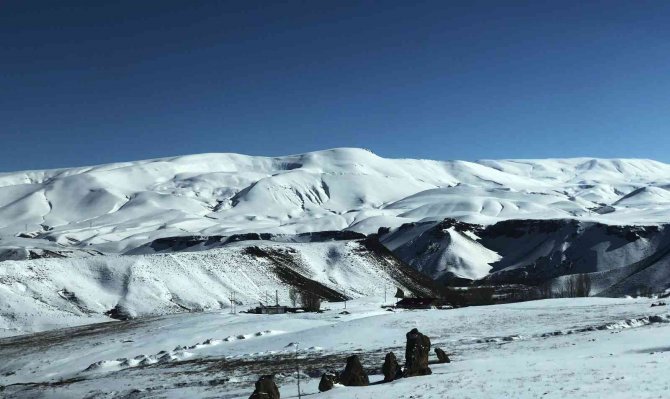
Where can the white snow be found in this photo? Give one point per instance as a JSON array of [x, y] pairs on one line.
[[588, 348], [117, 207], [33, 292]]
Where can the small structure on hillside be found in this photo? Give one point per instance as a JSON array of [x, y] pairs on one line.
[[417, 303], [269, 309]]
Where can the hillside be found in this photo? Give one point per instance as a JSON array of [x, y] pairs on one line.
[[118, 207], [42, 294], [509, 221], [621, 260]]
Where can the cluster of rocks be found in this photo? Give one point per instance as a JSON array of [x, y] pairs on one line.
[[417, 350]]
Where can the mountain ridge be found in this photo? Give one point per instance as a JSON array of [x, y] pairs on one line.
[[122, 208], [113, 208]]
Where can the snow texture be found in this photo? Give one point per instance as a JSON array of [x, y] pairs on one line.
[[115, 208], [42, 294], [588, 348]]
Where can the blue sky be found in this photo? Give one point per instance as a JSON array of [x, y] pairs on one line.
[[88, 82]]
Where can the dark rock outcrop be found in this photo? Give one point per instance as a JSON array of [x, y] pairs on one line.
[[542, 250], [416, 354], [442, 356], [328, 380], [391, 368], [353, 374], [119, 312], [265, 388]]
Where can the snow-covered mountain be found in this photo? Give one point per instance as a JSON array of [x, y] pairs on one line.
[[503, 221], [41, 294], [116, 208], [620, 259]]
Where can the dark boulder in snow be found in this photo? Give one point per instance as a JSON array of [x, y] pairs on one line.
[[120, 312], [353, 374], [416, 354], [391, 368], [328, 380], [442, 356], [265, 388], [659, 319]]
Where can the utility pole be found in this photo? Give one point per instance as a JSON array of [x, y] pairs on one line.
[[232, 302], [277, 297], [297, 368]]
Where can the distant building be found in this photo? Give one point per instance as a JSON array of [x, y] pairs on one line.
[[272, 309], [417, 303]]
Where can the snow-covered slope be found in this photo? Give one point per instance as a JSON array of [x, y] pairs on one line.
[[118, 207], [41, 294], [620, 259]]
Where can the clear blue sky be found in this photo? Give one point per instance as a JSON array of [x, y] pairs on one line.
[[87, 82]]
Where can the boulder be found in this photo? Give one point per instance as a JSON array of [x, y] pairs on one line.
[[416, 354], [391, 368], [353, 374], [442, 356], [328, 380], [265, 388]]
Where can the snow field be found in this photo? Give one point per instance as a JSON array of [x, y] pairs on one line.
[[615, 346]]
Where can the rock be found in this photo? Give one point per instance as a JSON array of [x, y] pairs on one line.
[[442, 356], [416, 354], [391, 368], [353, 374], [328, 380], [265, 388]]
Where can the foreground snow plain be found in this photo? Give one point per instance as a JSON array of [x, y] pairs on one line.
[[587, 348]]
